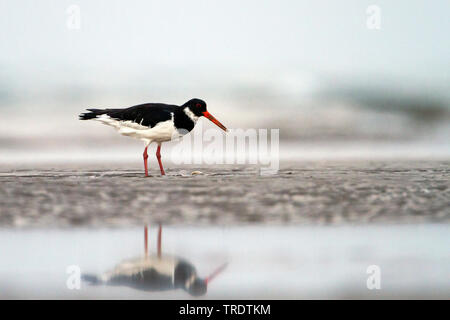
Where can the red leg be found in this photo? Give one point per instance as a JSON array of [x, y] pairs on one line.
[[145, 161], [158, 155], [159, 241], [146, 240]]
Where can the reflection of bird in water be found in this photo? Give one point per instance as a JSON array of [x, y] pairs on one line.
[[155, 273]]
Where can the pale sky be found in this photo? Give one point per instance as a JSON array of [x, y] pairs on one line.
[[321, 36]]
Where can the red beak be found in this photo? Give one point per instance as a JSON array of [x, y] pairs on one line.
[[210, 117], [215, 273]]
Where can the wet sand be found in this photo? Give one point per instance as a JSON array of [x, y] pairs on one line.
[[324, 192]]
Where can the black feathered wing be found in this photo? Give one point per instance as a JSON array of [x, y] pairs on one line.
[[147, 115]]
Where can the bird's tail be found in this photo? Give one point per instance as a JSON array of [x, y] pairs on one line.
[[92, 114], [91, 279]]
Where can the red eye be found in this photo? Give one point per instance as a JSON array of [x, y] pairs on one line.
[[198, 105]]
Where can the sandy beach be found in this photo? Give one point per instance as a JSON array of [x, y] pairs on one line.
[[321, 192]]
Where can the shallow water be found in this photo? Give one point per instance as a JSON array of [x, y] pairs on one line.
[[263, 261]]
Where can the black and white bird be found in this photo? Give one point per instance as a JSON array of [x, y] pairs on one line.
[[153, 122], [157, 272], [153, 273]]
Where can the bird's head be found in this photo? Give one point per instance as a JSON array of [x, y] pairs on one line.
[[198, 108], [198, 287]]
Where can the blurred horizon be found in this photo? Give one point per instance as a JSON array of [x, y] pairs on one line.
[[312, 69]]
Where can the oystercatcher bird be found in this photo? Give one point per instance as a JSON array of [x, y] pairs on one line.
[[153, 122], [156, 272]]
